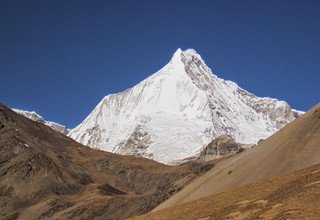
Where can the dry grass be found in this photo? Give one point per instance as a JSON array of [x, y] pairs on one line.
[[290, 196]]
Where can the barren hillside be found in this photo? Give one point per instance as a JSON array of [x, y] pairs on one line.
[[44, 174]]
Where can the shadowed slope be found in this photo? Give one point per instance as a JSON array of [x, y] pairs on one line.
[[44, 174], [294, 147]]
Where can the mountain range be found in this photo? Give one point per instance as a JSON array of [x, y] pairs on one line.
[[46, 175], [212, 151]]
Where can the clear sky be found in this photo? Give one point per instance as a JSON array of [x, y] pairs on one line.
[[60, 58]]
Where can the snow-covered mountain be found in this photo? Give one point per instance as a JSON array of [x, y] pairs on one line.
[[35, 117], [177, 111]]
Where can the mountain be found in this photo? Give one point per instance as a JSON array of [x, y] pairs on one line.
[[294, 147], [46, 175], [35, 117], [177, 111], [291, 196]]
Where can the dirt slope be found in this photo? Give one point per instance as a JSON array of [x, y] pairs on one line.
[[294, 147], [290, 196], [44, 174]]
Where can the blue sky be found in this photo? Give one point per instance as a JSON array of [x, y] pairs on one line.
[[60, 58]]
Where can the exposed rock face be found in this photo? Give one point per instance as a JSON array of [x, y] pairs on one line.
[[180, 109], [35, 117], [219, 147], [136, 144]]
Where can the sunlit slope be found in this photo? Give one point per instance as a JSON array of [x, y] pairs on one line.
[[294, 147], [294, 195]]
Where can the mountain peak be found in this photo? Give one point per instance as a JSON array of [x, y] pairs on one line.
[[187, 52], [173, 113], [190, 51], [176, 56], [178, 51], [186, 56]]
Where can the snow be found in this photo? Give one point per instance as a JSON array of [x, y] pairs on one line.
[[36, 117], [177, 111], [298, 111]]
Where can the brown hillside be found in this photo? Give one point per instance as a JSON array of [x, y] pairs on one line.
[[290, 196], [294, 147], [44, 174]]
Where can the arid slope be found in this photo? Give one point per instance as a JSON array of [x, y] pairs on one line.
[[290, 196], [294, 147], [44, 174]]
